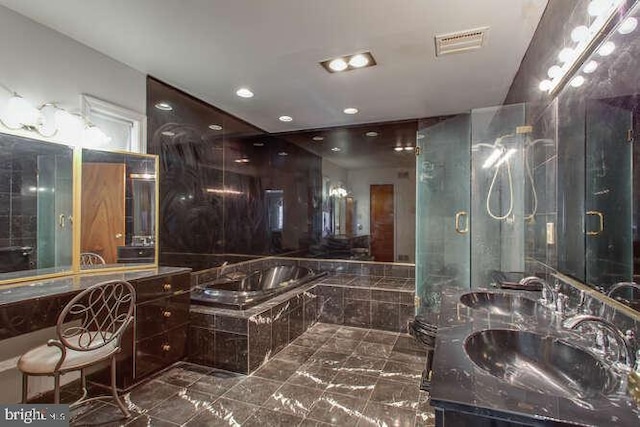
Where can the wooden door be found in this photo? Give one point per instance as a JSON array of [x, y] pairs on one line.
[[103, 209], [350, 216], [382, 222]]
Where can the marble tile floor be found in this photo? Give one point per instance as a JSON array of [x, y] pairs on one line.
[[331, 375]]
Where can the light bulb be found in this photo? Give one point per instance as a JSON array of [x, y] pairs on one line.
[[70, 126], [19, 113], [606, 49], [338, 64], [215, 127], [94, 137], [48, 126], [554, 72], [566, 55], [590, 67], [285, 118], [397, 148], [545, 85], [244, 92], [628, 25], [580, 33], [351, 110], [358, 61], [598, 7], [577, 81]]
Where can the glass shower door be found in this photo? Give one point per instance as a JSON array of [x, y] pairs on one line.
[[442, 210]]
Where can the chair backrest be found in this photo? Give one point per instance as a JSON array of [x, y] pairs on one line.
[[90, 258], [98, 315]]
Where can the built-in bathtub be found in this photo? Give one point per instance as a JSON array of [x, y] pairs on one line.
[[239, 291]]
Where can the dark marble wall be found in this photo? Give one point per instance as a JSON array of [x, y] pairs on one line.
[[215, 183]]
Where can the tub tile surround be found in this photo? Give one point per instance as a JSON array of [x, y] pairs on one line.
[[244, 340], [301, 386]]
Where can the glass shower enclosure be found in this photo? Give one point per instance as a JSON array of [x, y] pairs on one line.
[[474, 200]]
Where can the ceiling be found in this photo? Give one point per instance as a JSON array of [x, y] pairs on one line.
[[210, 48]]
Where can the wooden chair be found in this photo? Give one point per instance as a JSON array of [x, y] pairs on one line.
[[89, 330]]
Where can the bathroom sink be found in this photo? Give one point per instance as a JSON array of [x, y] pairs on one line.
[[543, 364], [500, 303]]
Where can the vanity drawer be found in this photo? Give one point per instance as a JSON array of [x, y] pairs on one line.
[[159, 315], [147, 289], [159, 351], [136, 254]]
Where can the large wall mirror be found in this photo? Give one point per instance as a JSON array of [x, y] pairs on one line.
[[36, 206], [599, 166], [118, 209]]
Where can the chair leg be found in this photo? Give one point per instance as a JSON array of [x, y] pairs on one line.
[[25, 387], [56, 388], [83, 381], [121, 405]]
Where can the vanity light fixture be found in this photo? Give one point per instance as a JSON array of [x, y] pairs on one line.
[[350, 110], [577, 81], [19, 113], [244, 92], [397, 149], [628, 25], [408, 148], [215, 127], [318, 138], [285, 118], [349, 62], [163, 106], [602, 11], [590, 67]]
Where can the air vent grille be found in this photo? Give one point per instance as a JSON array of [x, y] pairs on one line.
[[460, 41]]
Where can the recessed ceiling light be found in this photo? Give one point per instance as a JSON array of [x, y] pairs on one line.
[[408, 148], [350, 110], [285, 118], [628, 25], [164, 106], [338, 64], [590, 67], [371, 134], [258, 144], [283, 153], [318, 138], [358, 61], [168, 133], [607, 49], [244, 92], [397, 148], [336, 149], [577, 81], [215, 127]]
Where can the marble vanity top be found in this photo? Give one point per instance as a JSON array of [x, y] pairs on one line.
[[460, 385], [25, 291]]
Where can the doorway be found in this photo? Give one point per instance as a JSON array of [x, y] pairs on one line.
[[382, 219]]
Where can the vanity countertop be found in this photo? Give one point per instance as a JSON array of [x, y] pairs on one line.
[[459, 385], [25, 291]]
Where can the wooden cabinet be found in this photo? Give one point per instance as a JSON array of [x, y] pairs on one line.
[[158, 337]]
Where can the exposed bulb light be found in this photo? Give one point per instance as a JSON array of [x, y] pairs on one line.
[[598, 7], [70, 126], [493, 158], [318, 138], [580, 33], [577, 81], [566, 55], [168, 133], [606, 49], [398, 149], [244, 92], [506, 156], [338, 64], [371, 134], [628, 25], [545, 85], [350, 110], [18, 113], [215, 127], [336, 149], [358, 61], [285, 118], [163, 106], [94, 137], [409, 148], [48, 126], [554, 72], [590, 67]]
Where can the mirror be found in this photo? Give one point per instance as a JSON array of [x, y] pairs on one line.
[[36, 187], [118, 209], [599, 167]]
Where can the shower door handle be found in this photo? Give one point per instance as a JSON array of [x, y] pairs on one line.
[[600, 222], [459, 216]]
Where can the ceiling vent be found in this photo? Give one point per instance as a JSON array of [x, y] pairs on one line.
[[460, 41]]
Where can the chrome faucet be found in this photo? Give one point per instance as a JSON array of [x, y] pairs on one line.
[[623, 340], [221, 269], [549, 293]]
